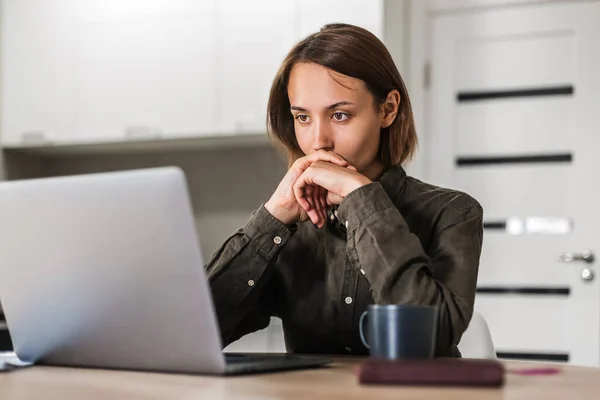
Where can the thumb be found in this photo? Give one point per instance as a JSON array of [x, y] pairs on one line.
[[333, 199]]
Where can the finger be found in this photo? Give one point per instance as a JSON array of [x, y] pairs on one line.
[[333, 199], [314, 216], [298, 189], [347, 164], [321, 155], [315, 198], [323, 203], [308, 195], [317, 201], [313, 212]]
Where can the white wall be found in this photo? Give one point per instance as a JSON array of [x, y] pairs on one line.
[[398, 33], [1, 161], [225, 185], [1, 152]]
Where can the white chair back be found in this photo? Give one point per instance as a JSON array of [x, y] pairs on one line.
[[477, 342]]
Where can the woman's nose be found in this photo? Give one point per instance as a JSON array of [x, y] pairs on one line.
[[322, 138]]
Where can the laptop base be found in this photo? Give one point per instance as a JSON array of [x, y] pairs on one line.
[[238, 364]]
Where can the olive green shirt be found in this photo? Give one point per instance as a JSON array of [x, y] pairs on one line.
[[394, 241]]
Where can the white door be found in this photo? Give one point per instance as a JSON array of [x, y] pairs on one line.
[[513, 120], [253, 39]]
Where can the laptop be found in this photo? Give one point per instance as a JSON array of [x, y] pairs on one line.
[[105, 271]]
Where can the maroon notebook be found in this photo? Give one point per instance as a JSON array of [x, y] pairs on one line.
[[436, 372]]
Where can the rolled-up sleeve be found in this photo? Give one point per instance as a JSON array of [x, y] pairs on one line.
[[400, 271]]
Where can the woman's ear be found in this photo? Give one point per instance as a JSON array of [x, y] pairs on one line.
[[389, 108]]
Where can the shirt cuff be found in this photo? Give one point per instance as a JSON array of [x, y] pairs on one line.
[[267, 233], [362, 203]]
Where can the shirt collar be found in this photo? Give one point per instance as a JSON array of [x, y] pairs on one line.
[[393, 181]]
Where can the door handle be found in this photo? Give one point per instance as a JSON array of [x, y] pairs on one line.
[[586, 256]]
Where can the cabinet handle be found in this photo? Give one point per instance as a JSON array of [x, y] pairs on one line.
[[142, 132], [34, 137], [239, 126]]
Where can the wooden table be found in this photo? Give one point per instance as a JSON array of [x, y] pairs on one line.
[[334, 382]]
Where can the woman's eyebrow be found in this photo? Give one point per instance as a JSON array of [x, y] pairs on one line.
[[340, 103], [331, 107], [296, 108]]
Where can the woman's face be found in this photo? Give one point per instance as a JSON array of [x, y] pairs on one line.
[[338, 113]]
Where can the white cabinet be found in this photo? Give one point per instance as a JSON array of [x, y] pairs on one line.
[[254, 38], [37, 70], [314, 14], [144, 69], [93, 71]]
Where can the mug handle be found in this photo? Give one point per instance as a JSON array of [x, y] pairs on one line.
[[361, 331]]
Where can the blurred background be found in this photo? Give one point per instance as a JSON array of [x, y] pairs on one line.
[[506, 97]]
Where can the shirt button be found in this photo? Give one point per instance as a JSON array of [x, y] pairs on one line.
[[348, 300], [277, 240], [348, 349], [362, 271], [250, 282], [346, 223]]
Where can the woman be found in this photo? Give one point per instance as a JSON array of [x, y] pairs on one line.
[[346, 227]]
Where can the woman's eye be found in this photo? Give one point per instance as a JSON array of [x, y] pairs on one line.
[[340, 116], [302, 118]]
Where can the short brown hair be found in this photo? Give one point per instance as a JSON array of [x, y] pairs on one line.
[[356, 52]]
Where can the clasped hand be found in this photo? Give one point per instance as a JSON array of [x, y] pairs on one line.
[[312, 185]]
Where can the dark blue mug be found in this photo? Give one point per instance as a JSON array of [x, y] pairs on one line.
[[397, 331]]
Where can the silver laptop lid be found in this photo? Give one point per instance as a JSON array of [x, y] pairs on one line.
[[105, 270]]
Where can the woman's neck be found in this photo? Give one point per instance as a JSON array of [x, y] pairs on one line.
[[374, 170]]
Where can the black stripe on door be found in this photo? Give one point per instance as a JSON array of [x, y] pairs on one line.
[[495, 225], [536, 291], [533, 356], [479, 95], [530, 225], [520, 159]]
